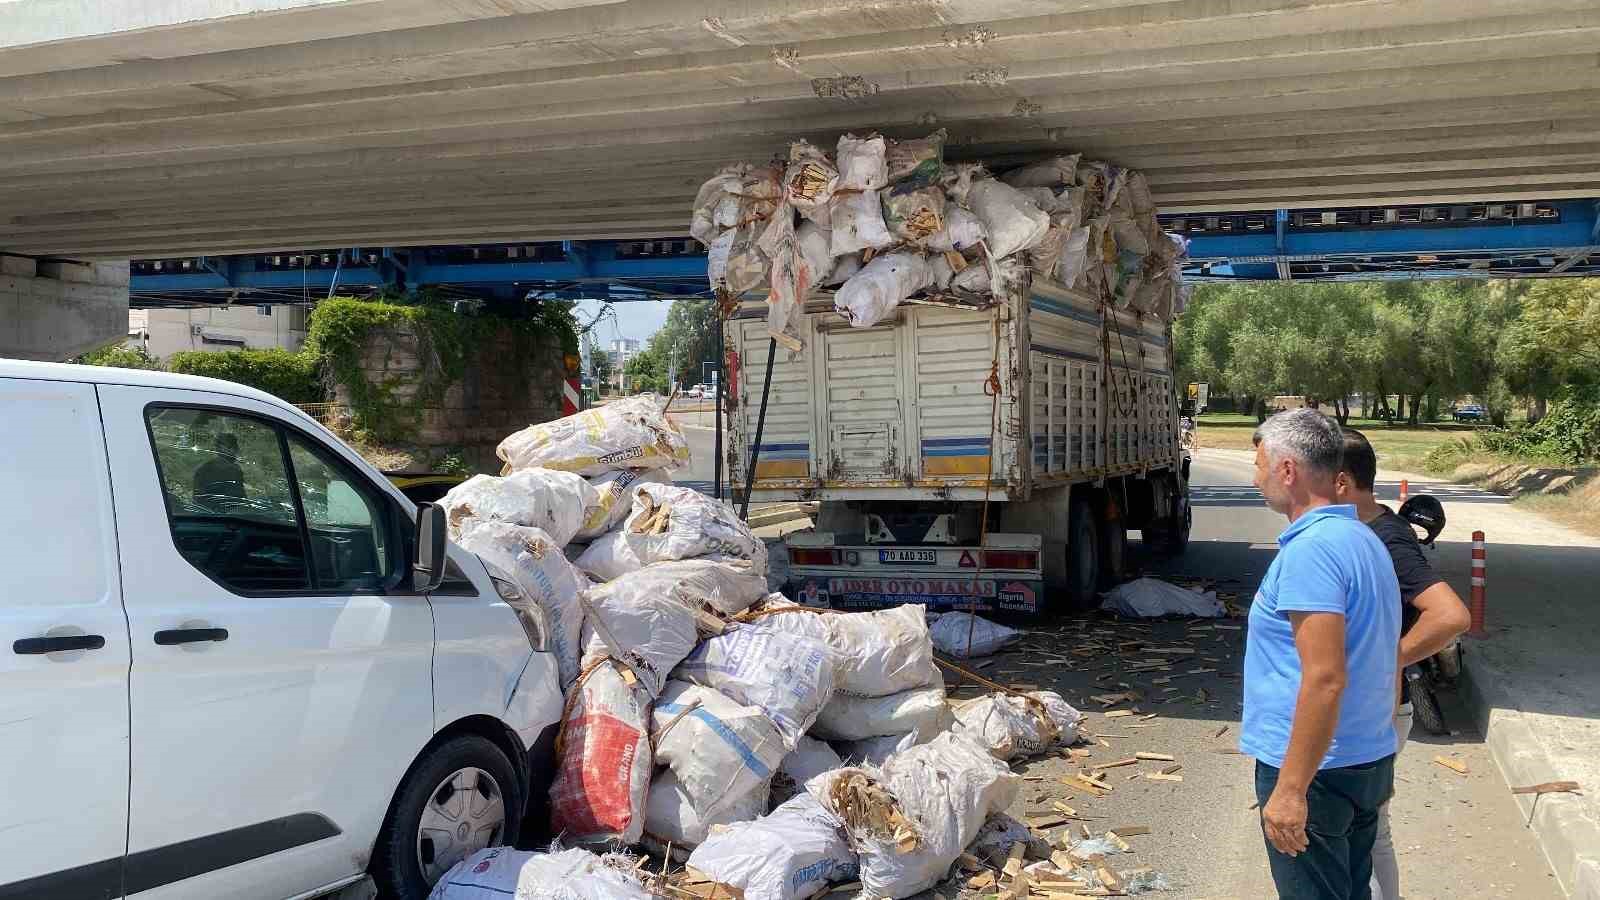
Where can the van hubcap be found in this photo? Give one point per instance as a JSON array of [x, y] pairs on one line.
[[465, 813]]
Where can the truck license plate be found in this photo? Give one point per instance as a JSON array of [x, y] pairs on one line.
[[908, 557]]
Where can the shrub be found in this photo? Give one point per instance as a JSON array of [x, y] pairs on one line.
[[289, 376], [120, 357]]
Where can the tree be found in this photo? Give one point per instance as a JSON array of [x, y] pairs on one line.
[[120, 357], [1554, 341], [647, 371], [687, 339], [601, 368]]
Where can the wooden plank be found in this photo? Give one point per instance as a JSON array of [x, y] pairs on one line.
[[1454, 765], [1118, 763], [1132, 830], [1154, 757]]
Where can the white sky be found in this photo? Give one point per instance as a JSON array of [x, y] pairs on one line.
[[636, 320]]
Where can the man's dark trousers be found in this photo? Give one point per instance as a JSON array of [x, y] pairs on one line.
[[1341, 824]]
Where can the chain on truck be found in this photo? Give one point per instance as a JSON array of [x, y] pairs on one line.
[[964, 458]]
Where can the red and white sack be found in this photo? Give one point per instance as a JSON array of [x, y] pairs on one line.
[[603, 766], [882, 652], [637, 622], [628, 434], [847, 717], [547, 581], [552, 501], [789, 280], [768, 664], [873, 293], [613, 499]]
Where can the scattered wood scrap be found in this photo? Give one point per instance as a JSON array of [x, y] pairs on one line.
[[1116, 764], [1548, 787], [1454, 765], [1154, 757]]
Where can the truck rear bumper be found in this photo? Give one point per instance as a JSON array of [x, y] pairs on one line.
[[990, 592]]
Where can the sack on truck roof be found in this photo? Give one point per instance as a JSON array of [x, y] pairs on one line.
[[633, 433]]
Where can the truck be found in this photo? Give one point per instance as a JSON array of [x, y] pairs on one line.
[[987, 459]]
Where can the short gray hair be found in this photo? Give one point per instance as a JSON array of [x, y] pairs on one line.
[[1305, 435]]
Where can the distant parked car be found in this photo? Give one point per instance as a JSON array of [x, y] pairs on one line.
[[694, 393], [1472, 412]]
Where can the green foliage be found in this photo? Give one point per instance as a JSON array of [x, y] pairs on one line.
[[600, 366], [337, 338], [687, 338], [119, 357], [290, 376], [647, 370], [1569, 435]]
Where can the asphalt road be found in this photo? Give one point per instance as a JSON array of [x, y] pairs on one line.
[[1457, 835]]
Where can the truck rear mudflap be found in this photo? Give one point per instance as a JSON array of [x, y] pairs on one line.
[[1002, 576]]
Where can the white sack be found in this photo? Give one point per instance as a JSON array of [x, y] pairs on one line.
[[856, 223], [974, 279], [787, 286], [847, 717], [882, 652], [946, 789], [951, 631], [716, 205], [807, 760], [962, 230], [603, 770], [873, 293], [913, 213], [939, 271], [671, 522], [796, 852], [733, 261], [639, 625], [1147, 598], [629, 434], [1057, 172], [1010, 727], [720, 751], [1075, 256], [497, 873], [670, 815], [862, 165], [875, 751], [843, 268], [610, 556], [786, 673], [997, 836], [613, 499], [1012, 220], [810, 180], [548, 582], [546, 499]]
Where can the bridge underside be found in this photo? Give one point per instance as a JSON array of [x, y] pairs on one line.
[[157, 130]]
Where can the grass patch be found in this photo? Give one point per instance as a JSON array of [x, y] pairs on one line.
[[1401, 447]]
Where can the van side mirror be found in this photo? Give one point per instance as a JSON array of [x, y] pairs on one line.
[[427, 573]]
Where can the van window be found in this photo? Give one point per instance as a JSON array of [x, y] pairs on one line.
[[348, 525], [229, 500]]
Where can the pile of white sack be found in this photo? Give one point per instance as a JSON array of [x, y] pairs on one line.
[[885, 221], [705, 714]]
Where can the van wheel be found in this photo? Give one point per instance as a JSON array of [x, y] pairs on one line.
[[1113, 542], [458, 799], [1083, 554]]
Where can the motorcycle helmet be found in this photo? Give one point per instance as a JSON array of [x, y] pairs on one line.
[[1426, 513]]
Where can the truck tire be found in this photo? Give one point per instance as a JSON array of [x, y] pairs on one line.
[[1083, 554], [1169, 535], [466, 775], [1425, 709], [1113, 542]]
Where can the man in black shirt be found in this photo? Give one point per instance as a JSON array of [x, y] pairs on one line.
[[1431, 616]]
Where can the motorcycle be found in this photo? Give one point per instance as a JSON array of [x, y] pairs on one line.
[[1186, 433], [1441, 671]]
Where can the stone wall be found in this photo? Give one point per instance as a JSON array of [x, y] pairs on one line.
[[54, 310], [496, 394]]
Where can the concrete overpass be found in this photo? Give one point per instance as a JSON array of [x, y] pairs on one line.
[[134, 129]]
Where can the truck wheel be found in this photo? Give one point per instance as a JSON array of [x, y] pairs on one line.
[[1113, 543], [459, 798], [1169, 535], [1083, 554]]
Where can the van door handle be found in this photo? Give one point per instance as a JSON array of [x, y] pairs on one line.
[[174, 636], [36, 646]]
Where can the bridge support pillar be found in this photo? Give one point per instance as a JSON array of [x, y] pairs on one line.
[[54, 310]]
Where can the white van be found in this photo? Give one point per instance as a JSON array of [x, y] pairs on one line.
[[231, 664]]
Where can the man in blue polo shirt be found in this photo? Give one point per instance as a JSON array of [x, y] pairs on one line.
[[1319, 670]]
